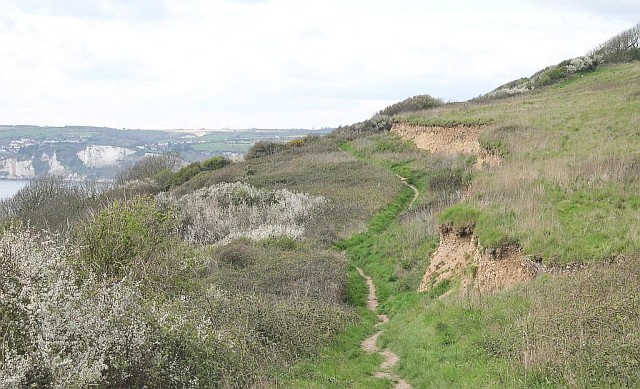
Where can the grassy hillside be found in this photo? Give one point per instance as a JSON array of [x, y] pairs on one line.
[[567, 191], [568, 188]]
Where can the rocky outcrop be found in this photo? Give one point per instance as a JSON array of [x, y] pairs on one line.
[[55, 167], [101, 156], [12, 168]]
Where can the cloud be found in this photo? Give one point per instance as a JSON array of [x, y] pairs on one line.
[[108, 70], [257, 63], [248, 1], [624, 10], [135, 10]]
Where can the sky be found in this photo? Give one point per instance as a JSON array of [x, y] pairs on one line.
[[171, 64]]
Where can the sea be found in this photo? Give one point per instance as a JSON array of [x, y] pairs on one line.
[[10, 187]]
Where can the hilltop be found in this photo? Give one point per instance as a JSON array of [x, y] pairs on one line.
[[490, 243]]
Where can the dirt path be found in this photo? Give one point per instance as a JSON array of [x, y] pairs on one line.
[[416, 193], [369, 344]]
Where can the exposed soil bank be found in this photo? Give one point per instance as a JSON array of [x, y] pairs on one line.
[[459, 256], [441, 140], [448, 141]]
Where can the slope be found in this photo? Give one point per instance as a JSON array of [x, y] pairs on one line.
[[565, 195]]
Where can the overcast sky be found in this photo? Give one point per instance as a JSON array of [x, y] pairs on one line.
[[163, 64]]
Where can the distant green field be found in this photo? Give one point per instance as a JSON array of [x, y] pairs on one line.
[[221, 146]]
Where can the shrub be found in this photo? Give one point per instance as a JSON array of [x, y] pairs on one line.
[[51, 203], [59, 330], [148, 167], [127, 237], [263, 148], [183, 175], [515, 87], [550, 76], [239, 254], [214, 163], [188, 172], [587, 63], [281, 267], [264, 325], [623, 47], [295, 143], [63, 329], [415, 103], [553, 74], [378, 123], [228, 211]]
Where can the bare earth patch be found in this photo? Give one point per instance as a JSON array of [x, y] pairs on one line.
[[441, 140], [448, 141], [416, 192], [487, 159], [458, 255], [454, 254]]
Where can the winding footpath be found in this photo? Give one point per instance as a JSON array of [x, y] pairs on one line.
[[416, 192], [369, 344]]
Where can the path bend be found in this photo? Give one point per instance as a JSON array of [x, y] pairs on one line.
[[416, 192]]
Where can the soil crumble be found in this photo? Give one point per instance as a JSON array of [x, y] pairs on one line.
[[448, 141], [441, 140], [459, 256]]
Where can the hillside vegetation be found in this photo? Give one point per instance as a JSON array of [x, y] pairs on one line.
[[568, 187], [227, 274], [566, 193], [212, 275]]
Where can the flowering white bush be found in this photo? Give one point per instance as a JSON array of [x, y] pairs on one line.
[[510, 91], [57, 330], [228, 211], [585, 63]]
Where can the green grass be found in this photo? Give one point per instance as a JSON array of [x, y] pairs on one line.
[[594, 223], [567, 190], [438, 122], [342, 364], [438, 344], [564, 147], [460, 216]]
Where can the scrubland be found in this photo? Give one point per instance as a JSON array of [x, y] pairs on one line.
[[208, 276]]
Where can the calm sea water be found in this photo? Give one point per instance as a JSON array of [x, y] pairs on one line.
[[9, 187]]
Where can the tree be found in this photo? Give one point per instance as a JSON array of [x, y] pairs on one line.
[[623, 47], [149, 166]]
